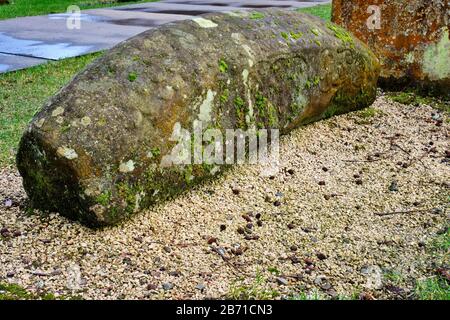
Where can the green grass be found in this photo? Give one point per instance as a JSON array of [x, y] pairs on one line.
[[436, 287], [13, 292], [16, 292], [23, 93], [257, 290], [22, 8], [322, 11], [416, 98]]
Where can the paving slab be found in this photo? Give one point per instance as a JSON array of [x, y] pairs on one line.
[[10, 62], [28, 41], [253, 3], [47, 37], [205, 6], [184, 8]]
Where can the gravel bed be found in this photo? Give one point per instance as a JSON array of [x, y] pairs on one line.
[[356, 198]]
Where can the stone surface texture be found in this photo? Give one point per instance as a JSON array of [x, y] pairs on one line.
[[412, 39], [93, 153]]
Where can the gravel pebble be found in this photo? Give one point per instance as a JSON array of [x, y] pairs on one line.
[[322, 151]]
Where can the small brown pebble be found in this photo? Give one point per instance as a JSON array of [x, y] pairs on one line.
[[17, 233], [249, 226], [251, 237], [240, 230], [223, 227], [236, 191], [237, 251], [416, 203], [321, 183], [10, 274], [309, 269], [324, 169], [293, 248], [356, 176], [291, 171], [277, 203], [167, 249], [358, 207], [247, 218], [327, 196], [295, 260], [5, 234], [359, 182], [258, 216], [259, 223], [321, 256], [366, 296], [152, 287], [308, 261], [212, 240], [291, 226]]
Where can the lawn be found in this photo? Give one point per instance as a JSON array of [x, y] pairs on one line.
[[323, 11], [22, 8]]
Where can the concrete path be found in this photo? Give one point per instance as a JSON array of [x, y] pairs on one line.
[[29, 41]]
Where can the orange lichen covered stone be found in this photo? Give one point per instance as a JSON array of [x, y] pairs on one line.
[[411, 38]]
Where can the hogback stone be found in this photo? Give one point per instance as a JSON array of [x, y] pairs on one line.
[[94, 152]]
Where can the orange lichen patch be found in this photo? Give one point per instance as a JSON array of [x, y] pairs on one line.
[[402, 34]]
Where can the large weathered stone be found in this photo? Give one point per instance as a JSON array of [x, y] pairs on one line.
[[411, 38], [94, 151]]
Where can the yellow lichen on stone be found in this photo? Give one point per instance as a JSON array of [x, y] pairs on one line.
[[127, 167], [57, 112], [205, 23], [85, 121], [67, 153]]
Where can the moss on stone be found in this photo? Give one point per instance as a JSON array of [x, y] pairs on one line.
[[296, 35], [341, 34], [256, 15], [284, 35], [223, 66], [224, 97], [104, 198], [132, 76]]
